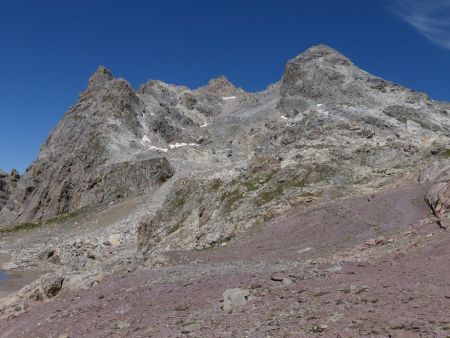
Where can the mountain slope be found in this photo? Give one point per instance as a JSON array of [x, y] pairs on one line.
[[308, 176]]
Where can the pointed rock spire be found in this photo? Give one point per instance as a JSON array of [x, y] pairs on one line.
[[220, 86], [101, 76], [321, 74], [322, 53]]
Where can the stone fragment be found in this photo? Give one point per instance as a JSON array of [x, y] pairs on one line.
[[234, 298]]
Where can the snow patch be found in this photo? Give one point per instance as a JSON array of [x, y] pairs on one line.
[[145, 139], [178, 145], [225, 98], [319, 105], [157, 148], [284, 117], [204, 124]]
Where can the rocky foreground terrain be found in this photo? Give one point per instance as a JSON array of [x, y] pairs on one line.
[[317, 207]]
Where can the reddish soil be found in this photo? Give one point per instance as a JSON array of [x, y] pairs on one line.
[[361, 267]]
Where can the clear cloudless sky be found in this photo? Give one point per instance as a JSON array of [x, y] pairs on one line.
[[49, 48]]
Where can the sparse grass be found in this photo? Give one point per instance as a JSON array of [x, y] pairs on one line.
[[180, 200], [268, 196], [253, 184], [299, 183], [215, 184], [174, 228], [31, 225], [231, 197], [446, 153], [20, 227]]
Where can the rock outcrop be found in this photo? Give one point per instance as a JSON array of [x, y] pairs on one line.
[[437, 174]]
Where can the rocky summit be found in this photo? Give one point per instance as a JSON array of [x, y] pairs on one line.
[[318, 206]]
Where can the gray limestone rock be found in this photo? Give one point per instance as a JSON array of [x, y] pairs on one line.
[[234, 298]]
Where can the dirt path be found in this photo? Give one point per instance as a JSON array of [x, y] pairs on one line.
[[299, 284]]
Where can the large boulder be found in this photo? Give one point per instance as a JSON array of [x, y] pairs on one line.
[[437, 174]]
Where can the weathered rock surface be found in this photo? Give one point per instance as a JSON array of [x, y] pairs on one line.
[[438, 195], [232, 299]]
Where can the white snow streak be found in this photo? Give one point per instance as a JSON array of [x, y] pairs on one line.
[[146, 140], [178, 145]]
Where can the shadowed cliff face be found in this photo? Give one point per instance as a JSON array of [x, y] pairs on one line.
[[327, 124]]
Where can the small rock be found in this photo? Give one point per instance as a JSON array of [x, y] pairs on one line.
[[51, 284], [335, 317], [115, 240], [122, 324], [287, 281], [191, 327], [304, 250], [319, 328], [279, 276], [234, 298], [335, 268]]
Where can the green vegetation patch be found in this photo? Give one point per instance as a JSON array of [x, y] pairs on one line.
[[268, 196], [31, 225], [255, 183], [231, 197], [174, 228], [180, 199], [301, 183], [215, 184], [446, 153]]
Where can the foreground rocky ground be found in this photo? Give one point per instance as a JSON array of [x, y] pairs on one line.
[[369, 265]]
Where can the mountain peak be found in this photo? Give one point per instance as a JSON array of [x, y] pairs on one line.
[[322, 53], [101, 76], [220, 86]]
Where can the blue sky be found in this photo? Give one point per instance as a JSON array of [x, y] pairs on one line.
[[49, 48]]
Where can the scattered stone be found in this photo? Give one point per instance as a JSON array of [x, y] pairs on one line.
[[234, 298], [122, 325], [335, 268], [304, 250], [319, 328], [190, 327], [115, 240], [279, 276]]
